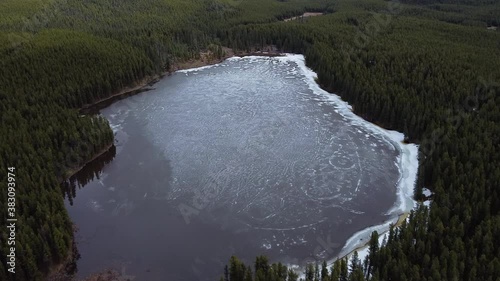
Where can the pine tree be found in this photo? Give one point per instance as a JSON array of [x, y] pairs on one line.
[[324, 272], [292, 276], [343, 270], [316, 272], [335, 271], [372, 252], [309, 274]]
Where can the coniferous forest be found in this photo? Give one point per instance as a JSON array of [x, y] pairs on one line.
[[428, 68]]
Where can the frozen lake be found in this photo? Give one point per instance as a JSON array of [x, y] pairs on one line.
[[244, 158]]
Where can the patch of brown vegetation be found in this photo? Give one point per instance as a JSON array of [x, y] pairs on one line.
[[304, 15], [209, 58], [205, 58]]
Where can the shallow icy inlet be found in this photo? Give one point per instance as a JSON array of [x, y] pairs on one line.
[[247, 157]]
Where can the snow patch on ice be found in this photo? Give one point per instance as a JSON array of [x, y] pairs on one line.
[[115, 127], [186, 71], [267, 246], [360, 238], [426, 192], [364, 252]]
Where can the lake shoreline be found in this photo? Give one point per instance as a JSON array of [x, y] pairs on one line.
[[388, 134], [407, 164], [64, 270], [74, 171], [59, 270], [206, 59]]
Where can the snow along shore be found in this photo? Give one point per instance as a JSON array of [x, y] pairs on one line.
[[407, 160]]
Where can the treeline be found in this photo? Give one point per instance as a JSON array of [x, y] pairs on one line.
[[341, 270], [380, 263], [261, 270]]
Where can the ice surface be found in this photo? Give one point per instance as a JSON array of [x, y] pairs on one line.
[[426, 192], [270, 164], [407, 160]]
